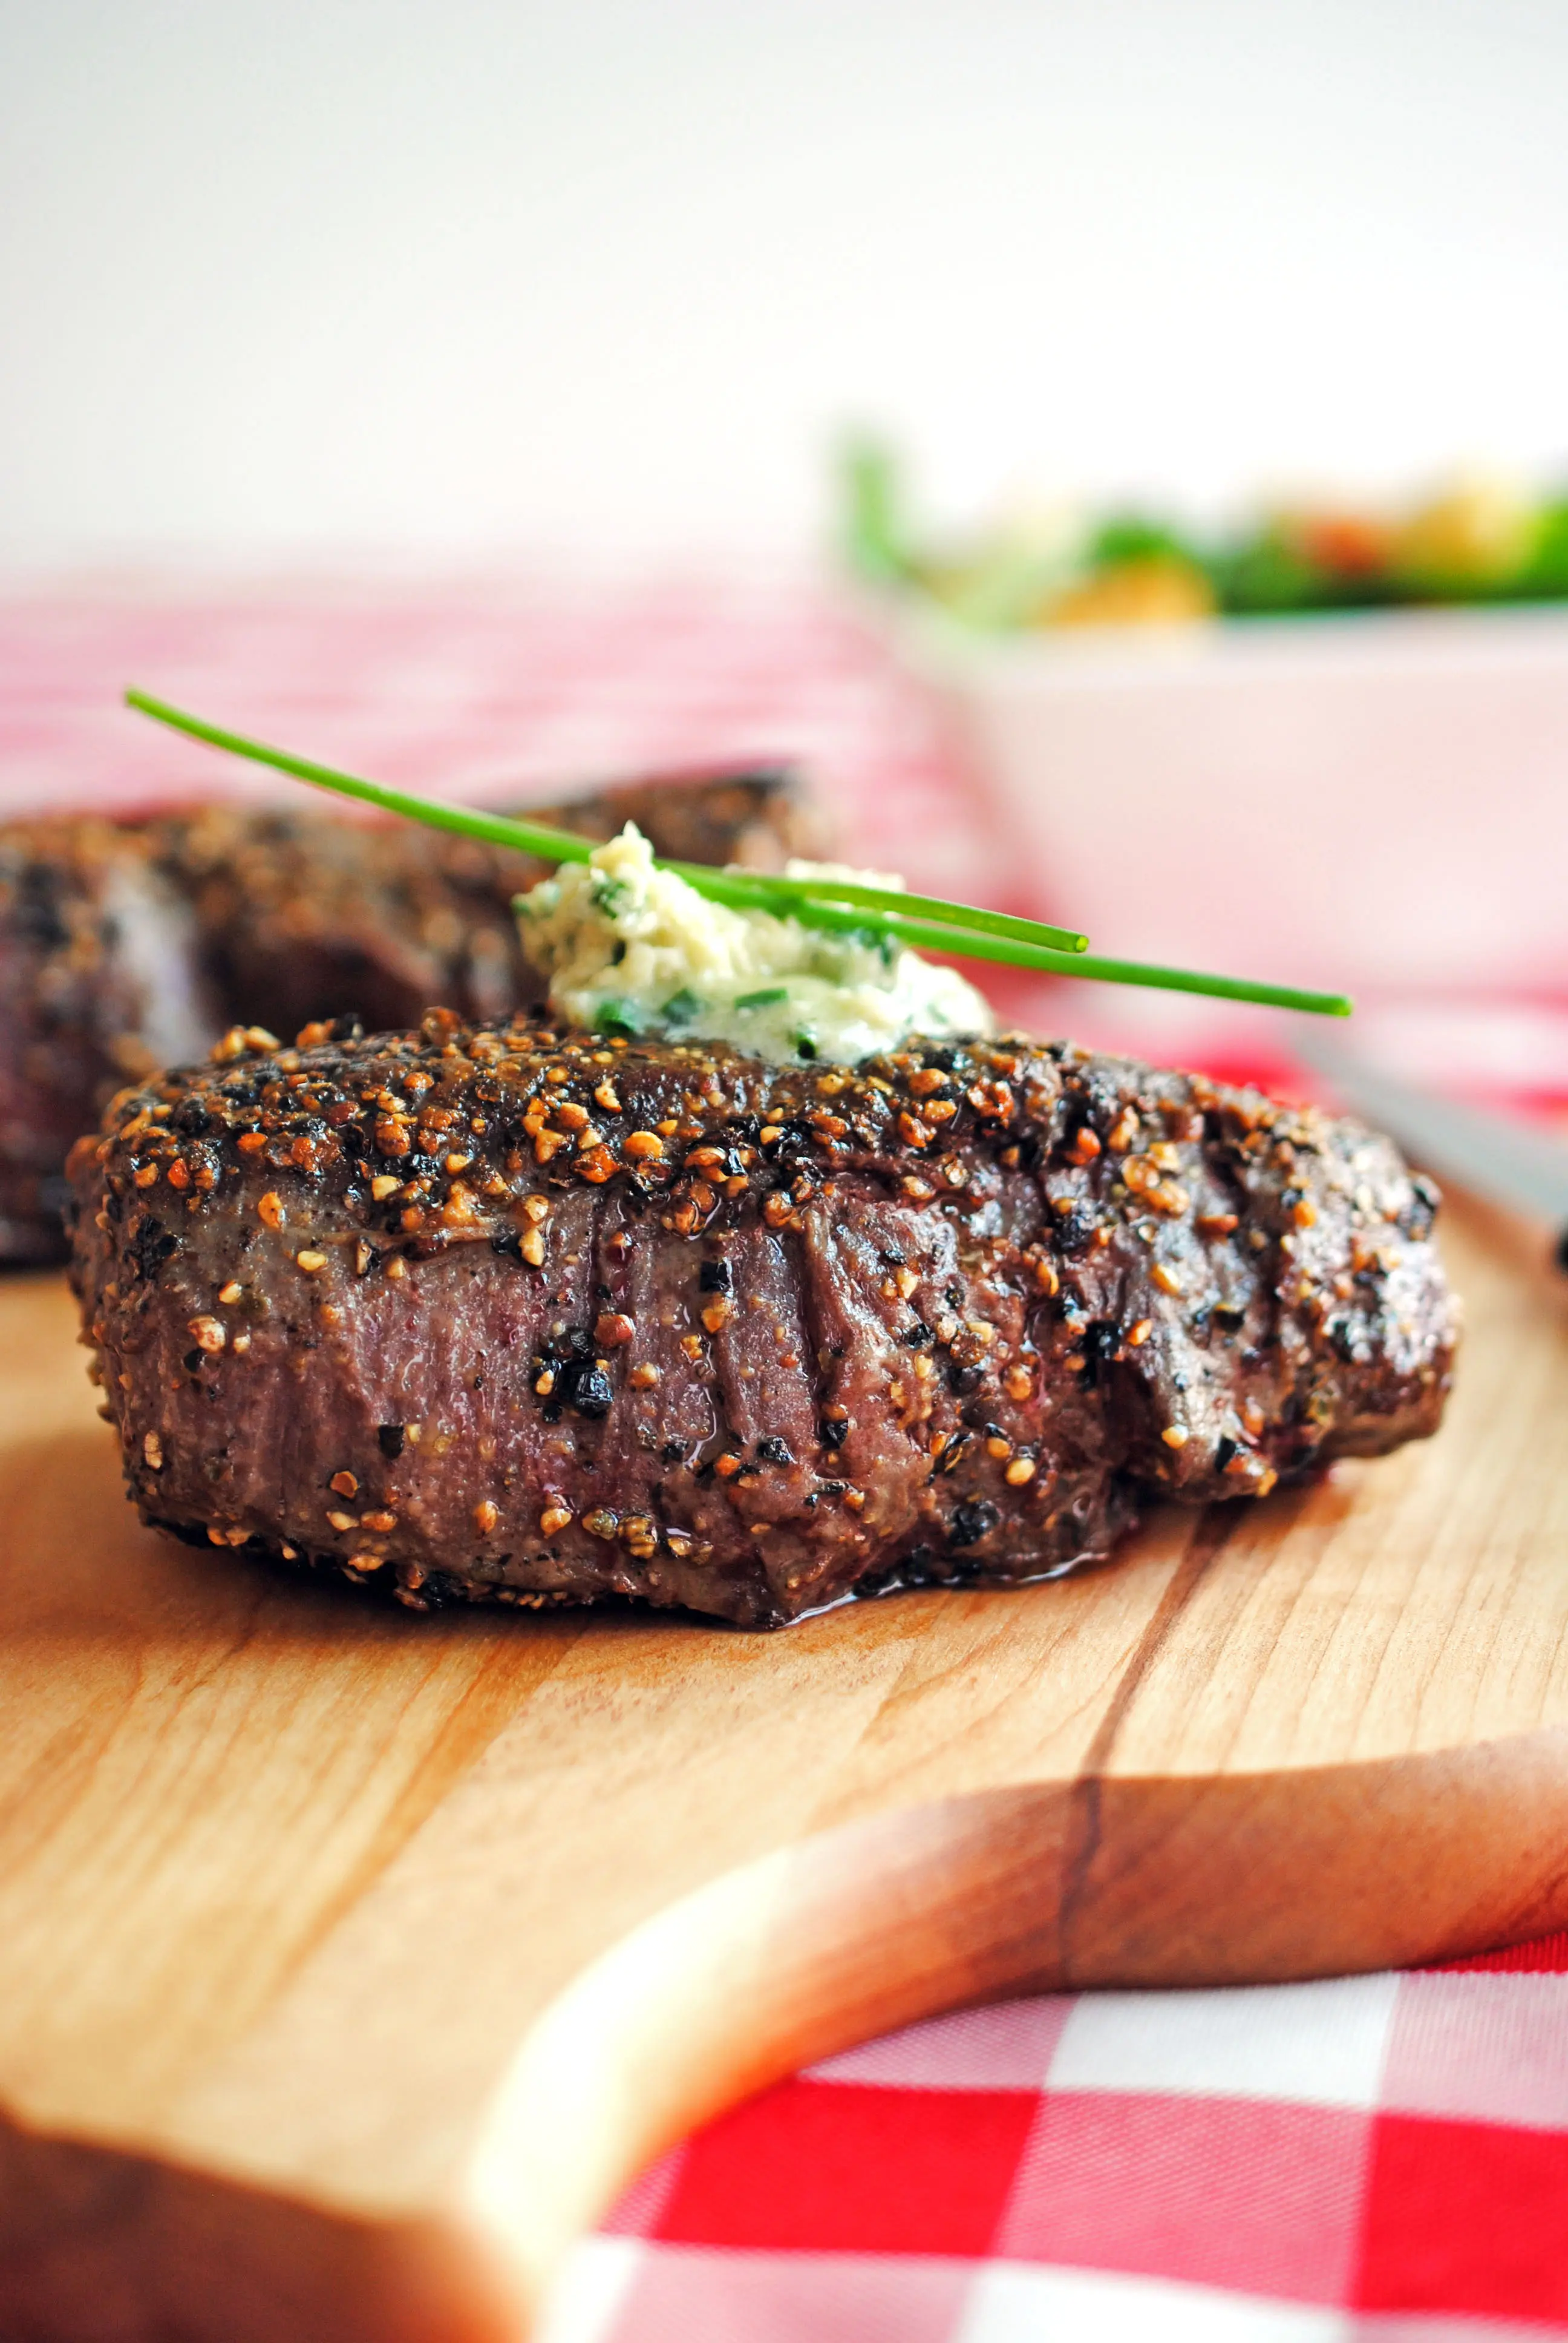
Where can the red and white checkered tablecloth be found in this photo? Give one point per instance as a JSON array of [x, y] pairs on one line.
[[1363, 2160], [1369, 2160]]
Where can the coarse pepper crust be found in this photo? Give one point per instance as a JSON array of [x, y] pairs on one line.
[[503, 1312]]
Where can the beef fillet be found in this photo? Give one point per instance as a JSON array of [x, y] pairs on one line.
[[500, 1314], [129, 945]]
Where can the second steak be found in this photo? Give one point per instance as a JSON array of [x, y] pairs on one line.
[[126, 945]]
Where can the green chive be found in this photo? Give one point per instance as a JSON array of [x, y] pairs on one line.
[[623, 1017], [499, 829], [926, 935], [774, 892], [1128, 972], [763, 999], [742, 890], [841, 907]]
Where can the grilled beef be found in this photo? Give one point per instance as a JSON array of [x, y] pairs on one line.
[[499, 1314], [125, 946]]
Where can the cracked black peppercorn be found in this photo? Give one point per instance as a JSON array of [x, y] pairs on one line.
[[583, 1384], [972, 1521]]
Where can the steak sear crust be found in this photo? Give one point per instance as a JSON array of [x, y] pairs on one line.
[[500, 1314], [129, 945]]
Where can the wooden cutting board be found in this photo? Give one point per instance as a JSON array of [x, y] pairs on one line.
[[351, 1960]]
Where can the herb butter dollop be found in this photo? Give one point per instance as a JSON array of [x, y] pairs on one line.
[[629, 947]]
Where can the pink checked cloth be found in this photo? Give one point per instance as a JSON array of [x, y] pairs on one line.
[[1363, 2160]]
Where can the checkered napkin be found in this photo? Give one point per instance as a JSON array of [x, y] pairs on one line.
[[1370, 2159], [1379, 2159]]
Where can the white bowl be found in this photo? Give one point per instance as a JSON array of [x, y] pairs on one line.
[[1378, 800]]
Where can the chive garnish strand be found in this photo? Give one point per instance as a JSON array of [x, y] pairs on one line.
[[776, 891], [837, 905], [467, 822], [742, 889], [1126, 972]]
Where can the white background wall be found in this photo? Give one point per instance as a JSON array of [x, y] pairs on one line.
[[285, 275]]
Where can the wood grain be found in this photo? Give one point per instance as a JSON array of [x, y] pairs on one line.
[[352, 1960]]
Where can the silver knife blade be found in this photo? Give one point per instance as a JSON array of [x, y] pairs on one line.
[[1500, 1158]]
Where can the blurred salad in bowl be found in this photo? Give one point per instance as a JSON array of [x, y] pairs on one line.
[[1479, 540]]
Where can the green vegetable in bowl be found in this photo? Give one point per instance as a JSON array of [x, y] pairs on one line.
[[1480, 540], [873, 530], [1545, 576]]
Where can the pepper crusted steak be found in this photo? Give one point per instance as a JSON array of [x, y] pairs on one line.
[[125, 946], [499, 1313]]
